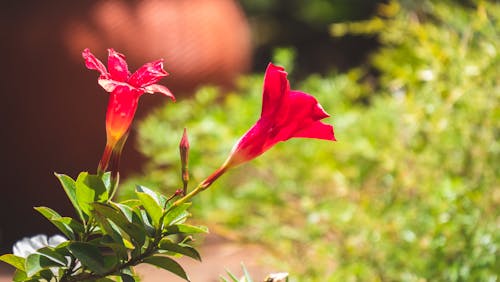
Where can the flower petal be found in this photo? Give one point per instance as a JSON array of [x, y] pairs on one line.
[[276, 87], [148, 74], [160, 89], [317, 130], [303, 105], [110, 85], [92, 63], [117, 66]]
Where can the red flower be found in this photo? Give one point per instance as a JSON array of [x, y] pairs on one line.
[[125, 91], [285, 114]]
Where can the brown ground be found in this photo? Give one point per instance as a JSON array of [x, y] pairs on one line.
[[218, 255]]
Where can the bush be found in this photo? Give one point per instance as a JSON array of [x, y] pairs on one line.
[[409, 192]]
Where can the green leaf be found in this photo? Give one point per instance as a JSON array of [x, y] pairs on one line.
[[89, 255], [168, 245], [132, 213], [45, 274], [132, 203], [37, 262], [167, 264], [56, 219], [127, 278], [75, 226], [15, 261], [53, 254], [105, 279], [20, 275], [151, 203], [69, 187], [89, 188], [110, 230], [106, 179], [247, 275], [231, 275], [185, 229], [63, 248], [147, 224], [137, 215], [136, 232], [119, 246], [176, 214]]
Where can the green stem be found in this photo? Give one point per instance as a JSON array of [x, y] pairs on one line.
[[202, 186]]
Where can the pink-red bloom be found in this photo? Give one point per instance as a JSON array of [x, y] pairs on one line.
[[125, 90], [285, 114]]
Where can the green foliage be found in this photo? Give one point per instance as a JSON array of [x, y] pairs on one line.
[[112, 238], [246, 277], [409, 192]]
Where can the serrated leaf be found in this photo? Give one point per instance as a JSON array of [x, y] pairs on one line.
[[185, 229], [37, 262], [89, 188], [15, 261], [69, 187], [55, 219], [136, 232], [167, 245], [176, 214], [151, 203], [167, 264], [89, 255]]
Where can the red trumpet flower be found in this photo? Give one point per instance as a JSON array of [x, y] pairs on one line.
[[285, 114], [125, 89]]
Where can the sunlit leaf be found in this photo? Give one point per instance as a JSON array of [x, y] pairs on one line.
[[15, 261], [177, 214], [69, 186], [151, 202], [136, 232], [56, 219], [89, 188], [37, 262], [185, 228]]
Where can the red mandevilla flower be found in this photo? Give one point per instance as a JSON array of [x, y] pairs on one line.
[[125, 89], [285, 114]]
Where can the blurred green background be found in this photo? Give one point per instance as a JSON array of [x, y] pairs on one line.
[[410, 192]]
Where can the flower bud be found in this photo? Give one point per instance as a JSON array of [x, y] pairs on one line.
[[184, 153]]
